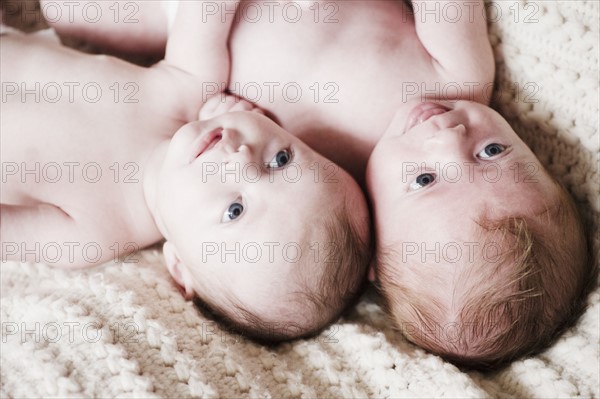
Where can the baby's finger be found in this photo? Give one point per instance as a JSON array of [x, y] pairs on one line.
[[209, 108], [242, 105]]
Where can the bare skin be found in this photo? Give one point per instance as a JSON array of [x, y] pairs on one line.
[[389, 48], [392, 83], [37, 141], [369, 60], [93, 194]]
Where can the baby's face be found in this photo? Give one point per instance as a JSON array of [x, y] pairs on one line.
[[441, 167], [241, 200]]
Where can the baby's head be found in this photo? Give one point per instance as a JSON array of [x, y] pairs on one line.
[[480, 256], [258, 227]]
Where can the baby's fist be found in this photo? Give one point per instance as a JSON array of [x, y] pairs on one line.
[[223, 103]]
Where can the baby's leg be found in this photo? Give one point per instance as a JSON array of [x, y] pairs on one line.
[[116, 27]]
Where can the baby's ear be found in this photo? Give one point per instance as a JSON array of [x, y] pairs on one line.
[[178, 270]]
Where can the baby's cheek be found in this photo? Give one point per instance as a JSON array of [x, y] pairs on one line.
[[375, 173], [385, 186]]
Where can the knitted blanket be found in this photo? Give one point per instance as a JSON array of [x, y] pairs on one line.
[[124, 330]]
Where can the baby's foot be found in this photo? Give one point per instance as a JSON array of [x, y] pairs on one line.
[[223, 103]]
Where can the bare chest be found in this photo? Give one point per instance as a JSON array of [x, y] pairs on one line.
[[74, 133], [334, 82]]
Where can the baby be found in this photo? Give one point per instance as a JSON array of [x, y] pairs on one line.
[[481, 256], [480, 253], [251, 227]]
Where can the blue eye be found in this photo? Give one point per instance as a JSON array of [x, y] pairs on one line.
[[491, 150], [280, 159], [422, 180], [233, 212]]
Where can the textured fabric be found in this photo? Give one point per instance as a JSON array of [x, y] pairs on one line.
[[124, 330]]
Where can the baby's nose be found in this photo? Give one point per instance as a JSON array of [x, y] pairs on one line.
[[447, 140], [458, 131], [447, 136], [241, 154], [236, 149], [244, 152], [229, 141]]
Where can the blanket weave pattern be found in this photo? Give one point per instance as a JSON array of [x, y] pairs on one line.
[[124, 330]]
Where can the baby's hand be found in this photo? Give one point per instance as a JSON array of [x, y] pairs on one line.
[[224, 103]]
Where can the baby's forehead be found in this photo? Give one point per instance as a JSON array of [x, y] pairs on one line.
[[266, 275], [272, 242]]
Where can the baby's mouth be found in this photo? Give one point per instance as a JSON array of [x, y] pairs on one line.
[[206, 142], [423, 112]]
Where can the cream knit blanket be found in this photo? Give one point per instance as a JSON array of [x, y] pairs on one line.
[[124, 330]]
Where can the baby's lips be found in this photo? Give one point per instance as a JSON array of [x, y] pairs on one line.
[[423, 112], [205, 141]]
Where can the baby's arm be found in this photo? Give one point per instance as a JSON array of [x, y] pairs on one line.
[[119, 27], [454, 33], [198, 41], [45, 233], [30, 228]]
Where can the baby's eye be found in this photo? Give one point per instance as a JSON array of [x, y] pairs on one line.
[[281, 159], [491, 150], [233, 212], [422, 180]]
